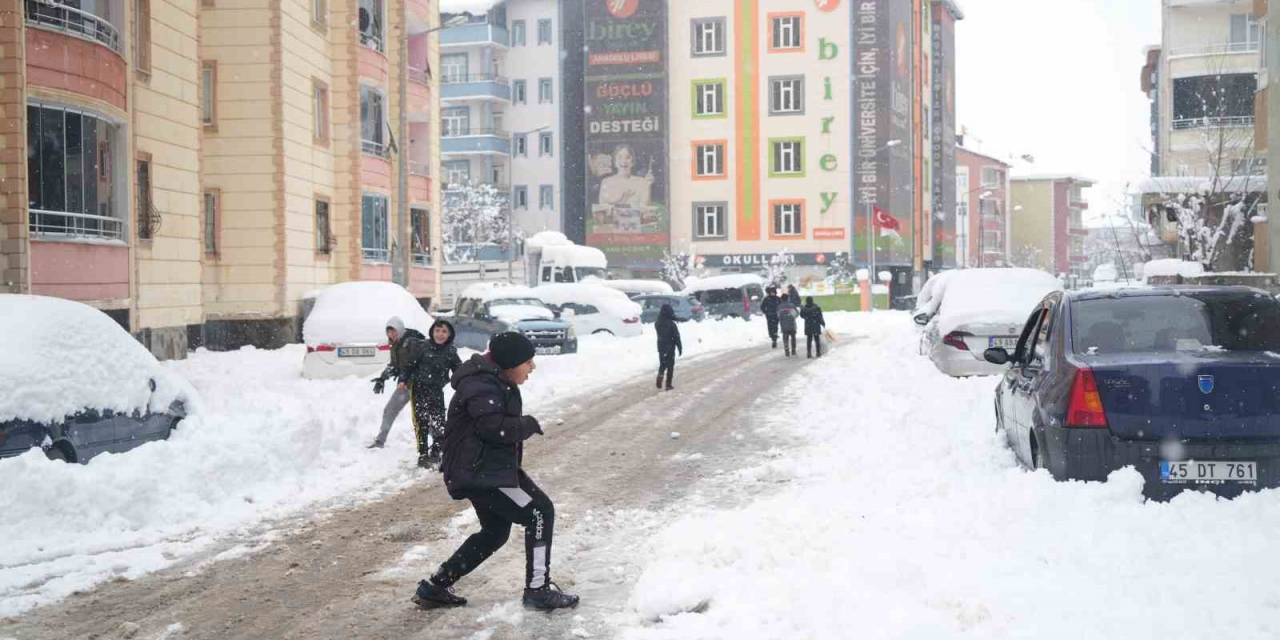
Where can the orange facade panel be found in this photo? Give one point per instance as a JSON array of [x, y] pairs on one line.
[[372, 66], [375, 173], [59, 61], [80, 271]]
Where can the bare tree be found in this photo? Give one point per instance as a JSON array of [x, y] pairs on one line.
[[475, 216]]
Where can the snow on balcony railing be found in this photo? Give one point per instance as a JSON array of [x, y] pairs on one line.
[[1211, 123], [1214, 49], [76, 225], [375, 255], [375, 148], [458, 132], [54, 15], [464, 78]]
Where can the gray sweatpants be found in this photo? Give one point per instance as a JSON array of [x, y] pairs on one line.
[[395, 404]]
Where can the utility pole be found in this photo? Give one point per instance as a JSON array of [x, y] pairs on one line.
[[400, 266]]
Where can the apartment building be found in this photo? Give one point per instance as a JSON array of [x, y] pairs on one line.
[[533, 62], [982, 210], [195, 168], [1046, 226]]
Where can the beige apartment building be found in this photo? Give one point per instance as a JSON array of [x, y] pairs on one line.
[[1046, 226], [194, 167]]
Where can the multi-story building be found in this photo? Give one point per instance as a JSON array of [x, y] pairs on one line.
[[1046, 229], [1151, 87], [533, 63], [194, 168], [1205, 87], [982, 210]]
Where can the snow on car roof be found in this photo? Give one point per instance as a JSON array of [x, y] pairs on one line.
[[357, 312], [547, 239], [575, 255], [601, 297], [1004, 296], [727, 281], [486, 291], [61, 357], [636, 286], [1172, 267]]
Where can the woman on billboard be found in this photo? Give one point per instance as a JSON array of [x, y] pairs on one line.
[[622, 189]]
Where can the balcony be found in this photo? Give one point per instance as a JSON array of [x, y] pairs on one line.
[[1213, 123], [475, 140], [1216, 49], [59, 224], [482, 86], [56, 16], [375, 148], [480, 33]]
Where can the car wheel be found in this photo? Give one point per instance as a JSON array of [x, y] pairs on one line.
[[57, 452], [601, 331]]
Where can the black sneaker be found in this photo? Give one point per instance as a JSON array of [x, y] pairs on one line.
[[424, 461], [375, 445], [433, 596], [548, 598]]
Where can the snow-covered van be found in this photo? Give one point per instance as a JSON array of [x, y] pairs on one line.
[[734, 295], [550, 257]]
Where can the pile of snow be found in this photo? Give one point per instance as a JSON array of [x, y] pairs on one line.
[[574, 255], [607, 300], [931, 293], [547, 239], [357, 313], [727, 281], [1172, 267], [1105, 273], [1002, 296], [61, 357], [642, 287]]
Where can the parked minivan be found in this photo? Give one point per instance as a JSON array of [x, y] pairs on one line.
[[736, 295]]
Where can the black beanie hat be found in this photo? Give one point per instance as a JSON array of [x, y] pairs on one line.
[[510, 349]]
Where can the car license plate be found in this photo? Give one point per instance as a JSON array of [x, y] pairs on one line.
[[1217, 471], [1007, 343], [547, 351], [356, 352]]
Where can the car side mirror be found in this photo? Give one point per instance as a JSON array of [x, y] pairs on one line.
[[996, 355], [922, 319]]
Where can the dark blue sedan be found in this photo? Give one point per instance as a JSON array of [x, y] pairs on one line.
[[1181, 383]]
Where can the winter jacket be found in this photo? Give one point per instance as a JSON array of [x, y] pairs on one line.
[[668, 332], [787, 315], [813, 320], [769, 306], [484, 430], [793, 295], [428, 365], [395, 368]]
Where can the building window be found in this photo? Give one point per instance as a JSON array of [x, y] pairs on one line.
[[788, 217], [142, 36], [546, 144], [708, 37], [708, 159], [372, 122], [320, 111], [1246, 33], [319, 12], [209, 94], [709, 220], [544, 31], [373, 228], [786, 157], [785, 32], [370, 24], [708, 98], [1221, 100], [453, 67], [546, 197], [69, 174], [517, 33], [992, 177], [457, 172], [520, 145], [518, 95], [544, 91], [786, 95], [324, 239], [146, 214], [420, 230], [211, 222], [520, 197], [456, 121]]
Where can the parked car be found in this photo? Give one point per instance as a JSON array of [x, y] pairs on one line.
[[686, 307], [597, 309], [978, 309], [637, 288], [74, 383], [735, 295], [485, 309], [1179, 383], [346, 331]]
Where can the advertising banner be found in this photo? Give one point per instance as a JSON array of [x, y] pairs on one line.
[[944, 138]]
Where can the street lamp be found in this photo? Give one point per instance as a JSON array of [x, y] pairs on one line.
[[511, 152], [871, 240]]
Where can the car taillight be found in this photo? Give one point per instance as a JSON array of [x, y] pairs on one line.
[[630, 320], [320, 347], [956, 339], [384, 347], [1085, 408]]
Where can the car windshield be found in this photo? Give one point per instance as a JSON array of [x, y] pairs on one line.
[[722, 296], [517, 302], [590, 272], [1193, 322]]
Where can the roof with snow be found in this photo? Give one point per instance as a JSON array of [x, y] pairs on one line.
[[727, 281], [356, 312], [969, 149], [547, 239], [1056, 177], [575, 255], [1190, 184]]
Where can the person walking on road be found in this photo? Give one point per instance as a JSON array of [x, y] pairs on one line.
[[427, 366], [483, 452], [769, 307], [668, 344], [788, 313], [398, 338], [793, 295], [814, 323]]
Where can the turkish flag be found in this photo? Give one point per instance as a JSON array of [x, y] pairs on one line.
[[885, 221]]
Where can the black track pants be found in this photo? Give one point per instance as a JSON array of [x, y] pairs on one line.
[[667, 364], [497, 510]]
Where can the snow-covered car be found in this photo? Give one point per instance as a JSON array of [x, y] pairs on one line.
[[76, 384], [597, 309], [978, 309], [686, 308], [636, 288], [485, 309], [734, 295], [930, 295], [346, 331]]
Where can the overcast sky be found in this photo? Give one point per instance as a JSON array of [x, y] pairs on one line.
[[1059, 79]]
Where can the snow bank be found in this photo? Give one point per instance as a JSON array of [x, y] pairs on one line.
[[903, 515], [357, 312], [1172, 267], [611, 301], [60, 357], [1003, 296], [727, 281]]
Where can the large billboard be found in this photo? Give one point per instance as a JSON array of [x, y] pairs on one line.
[[944, 137], [625, 118]]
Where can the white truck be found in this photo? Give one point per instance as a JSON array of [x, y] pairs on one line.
[[550, 257]]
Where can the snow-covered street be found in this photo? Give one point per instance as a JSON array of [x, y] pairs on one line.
[[860, 495]]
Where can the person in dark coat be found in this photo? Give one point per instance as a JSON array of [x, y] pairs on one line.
[[399, 338], [483, 452], [793, 295], [769, 307], [788, 313], [427, 366], [668, 343], [814, 323]]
